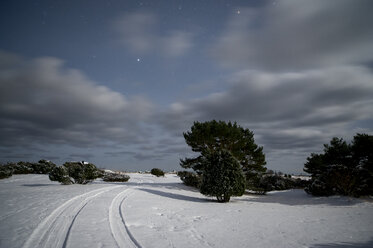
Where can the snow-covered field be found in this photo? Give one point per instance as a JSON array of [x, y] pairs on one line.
[[162, 212]]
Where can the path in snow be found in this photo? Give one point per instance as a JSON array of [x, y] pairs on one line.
[[54, 231], [161, 212], [118, 223]]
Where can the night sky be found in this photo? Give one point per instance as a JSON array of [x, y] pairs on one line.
[[116, 82]]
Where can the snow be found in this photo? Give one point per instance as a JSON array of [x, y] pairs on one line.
[[148, 211]]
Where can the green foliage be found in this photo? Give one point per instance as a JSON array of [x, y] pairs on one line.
[[60, 174], [277, 182], [5, 171], [82, 173], [219, 135], [254, 183], [115, 177], [269, 181], [344, 169], [190, 178], [157, 172], [43, 167], [74, 172], [222, 175], [22, 168]]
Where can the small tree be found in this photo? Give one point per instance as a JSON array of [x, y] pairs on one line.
[[222, 175]]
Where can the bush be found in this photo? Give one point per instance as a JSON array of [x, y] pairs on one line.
[[157, 172], [253, 183], [262, 183], [60, 174], [22, 168], [5, 171], [190, 178], [74, 172], [222, 176], [43, 167], [115, 177]]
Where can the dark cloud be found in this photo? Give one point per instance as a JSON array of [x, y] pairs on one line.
[[17, 156], [292, 35], [118, 153], [300, 72], [81, 156], [41, 101], [287, 111], [334, 95]]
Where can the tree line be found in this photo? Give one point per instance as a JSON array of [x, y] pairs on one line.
[[229, 162]]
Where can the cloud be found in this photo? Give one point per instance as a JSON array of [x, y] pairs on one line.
[[285, 110], [293, 35], [140, 33], [42, 101]]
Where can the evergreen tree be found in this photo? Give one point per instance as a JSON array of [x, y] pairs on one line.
[[218, 135], [345, 169], [222, 175]]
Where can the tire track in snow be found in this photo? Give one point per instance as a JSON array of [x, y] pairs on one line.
[[119, 229], [54, 230]]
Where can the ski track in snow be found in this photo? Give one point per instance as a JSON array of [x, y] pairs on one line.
[[55, 229], [118, 223]]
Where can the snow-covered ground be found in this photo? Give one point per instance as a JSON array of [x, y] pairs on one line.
[[162, 212]]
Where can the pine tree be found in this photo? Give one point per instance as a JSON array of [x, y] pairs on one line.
[[215, 135], [345, 169], [222, 175]]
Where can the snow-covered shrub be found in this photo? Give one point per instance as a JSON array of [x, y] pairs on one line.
[[43, 167], [5, 171], [60, 174], [115, 177], [100, 173], [157, 172], [222, 176], [262, 183], [22, 168], [82, 173], [190, 178], [74, 172]]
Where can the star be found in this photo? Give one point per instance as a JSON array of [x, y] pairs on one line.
[[138, 60], [238, 12]]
